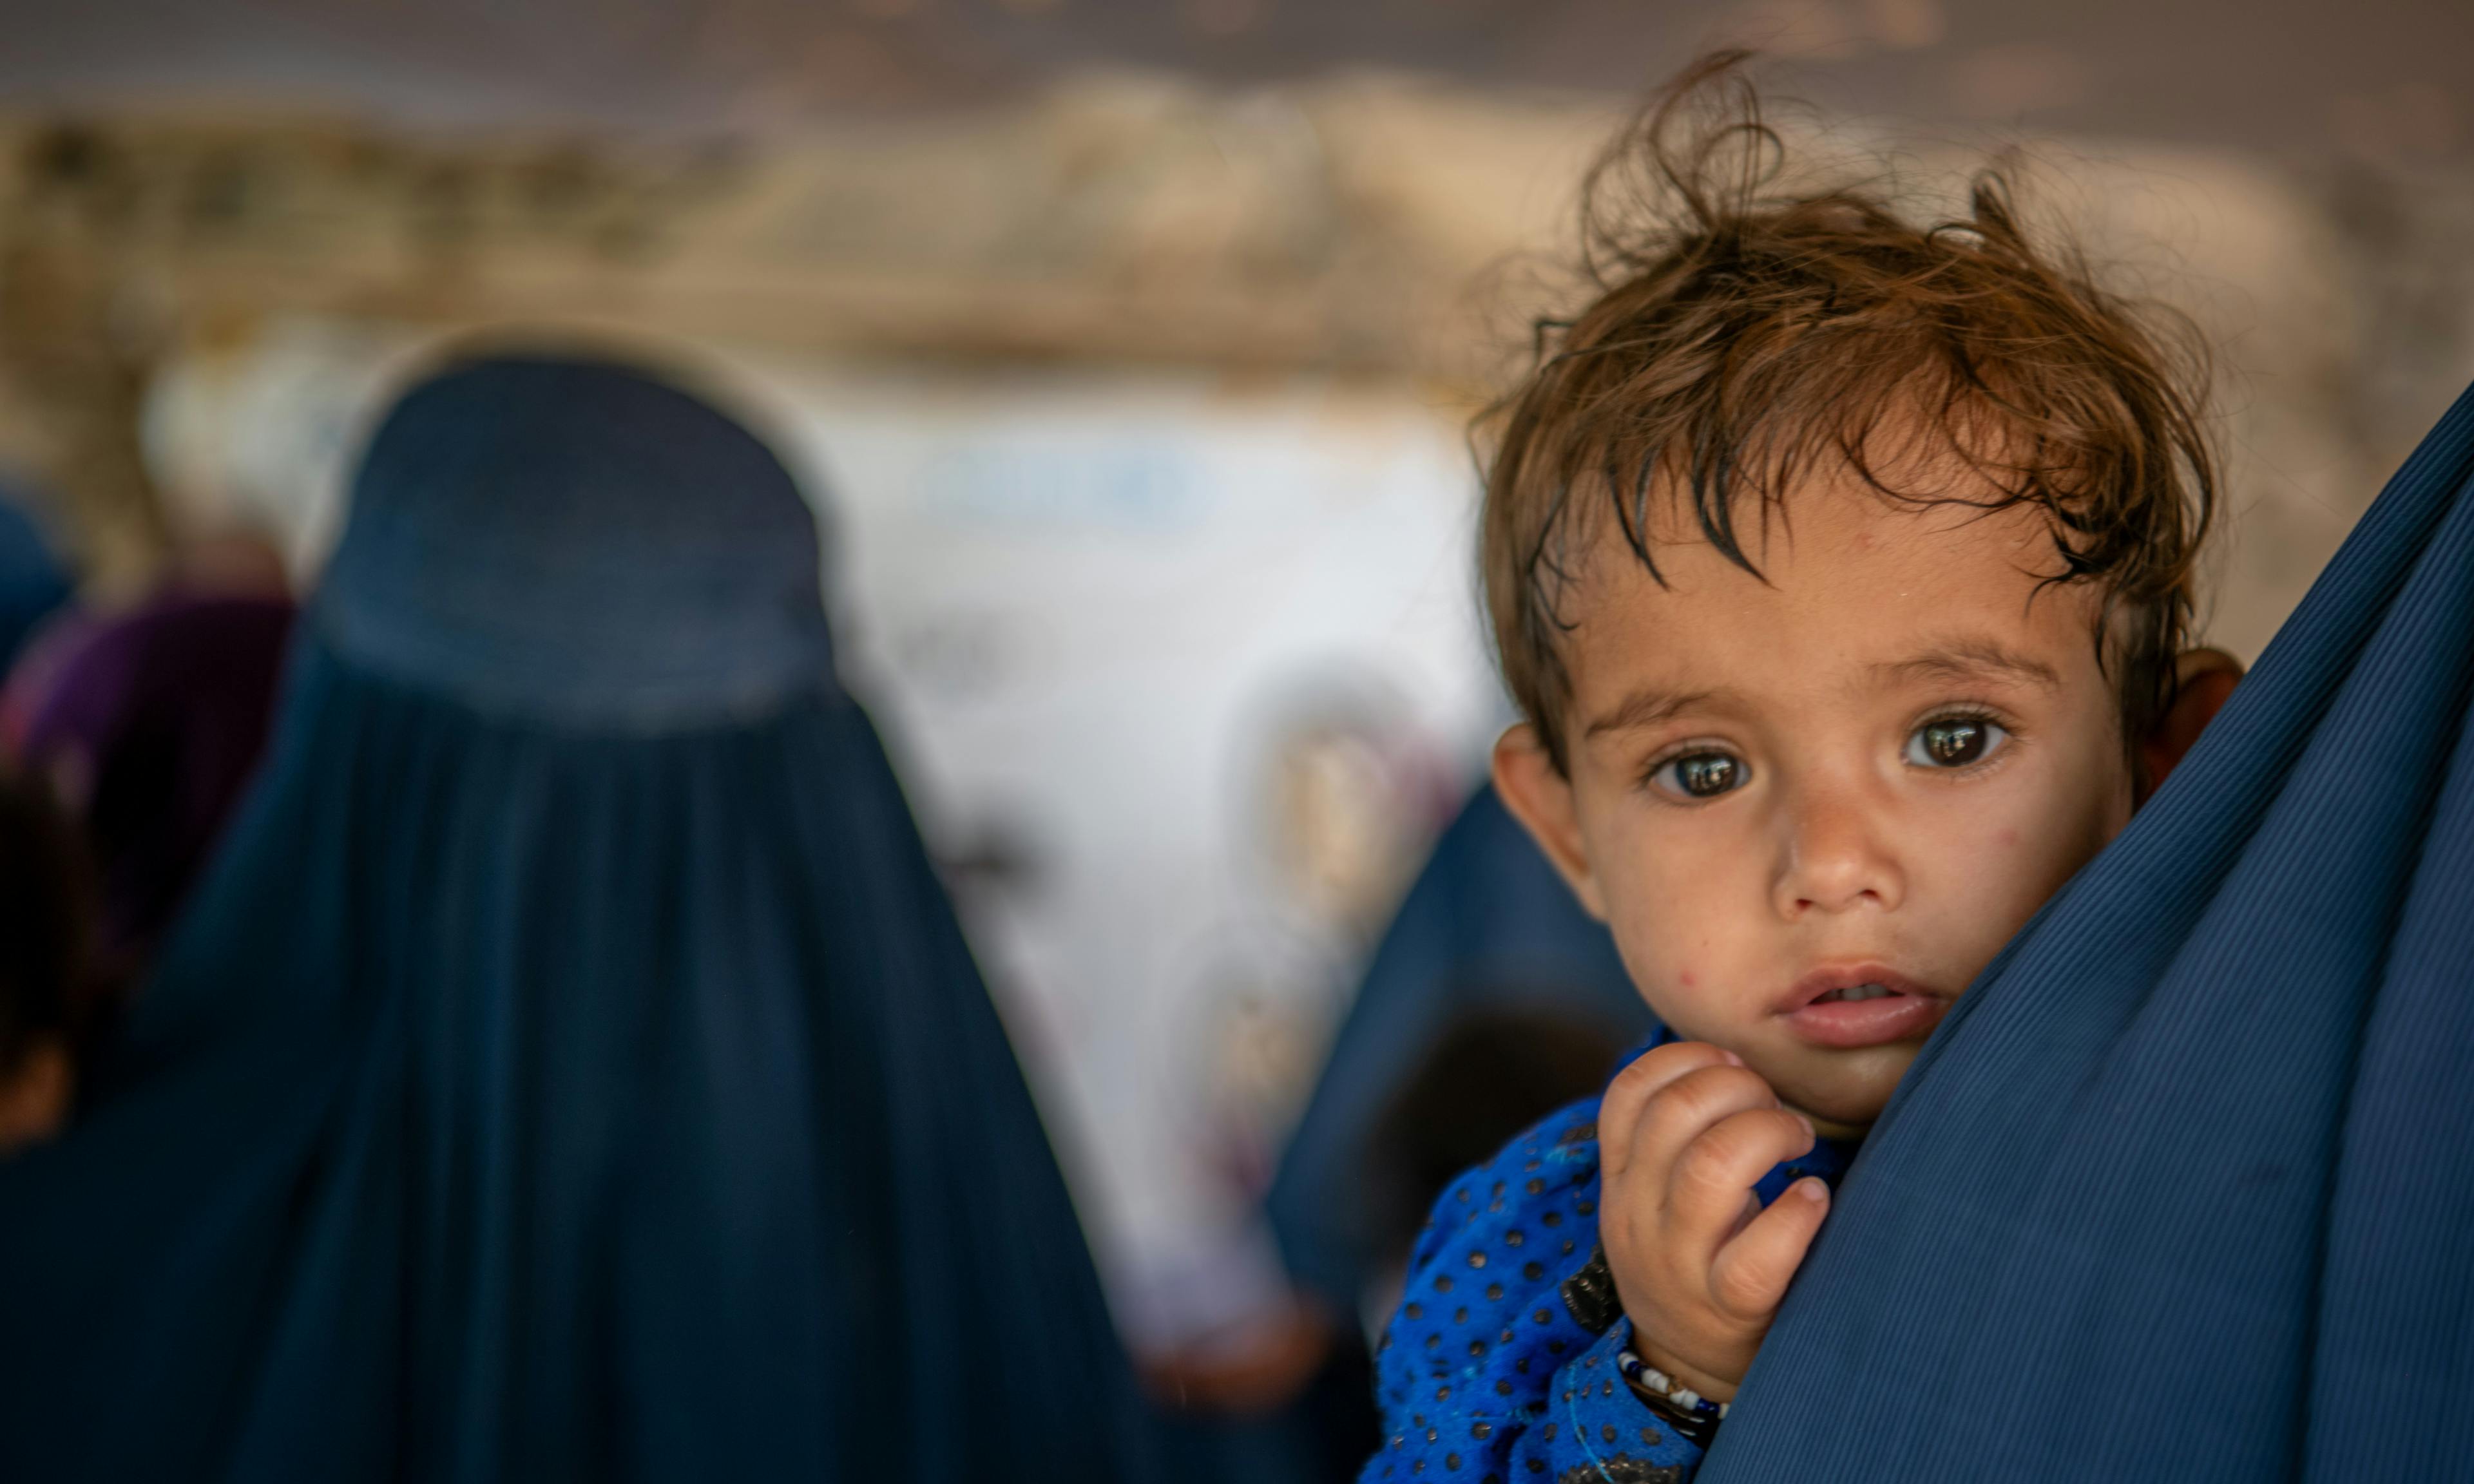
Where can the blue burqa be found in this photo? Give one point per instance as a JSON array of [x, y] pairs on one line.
[[570, 1068], [2183, 1188]]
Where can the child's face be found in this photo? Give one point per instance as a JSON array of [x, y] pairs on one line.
[[1863, 775]]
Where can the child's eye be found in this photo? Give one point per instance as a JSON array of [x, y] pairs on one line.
[[1701, 775], [1954, 742]]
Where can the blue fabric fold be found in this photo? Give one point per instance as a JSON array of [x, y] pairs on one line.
[[2180, 1189], [571, 1068]]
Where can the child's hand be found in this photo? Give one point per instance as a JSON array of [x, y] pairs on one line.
[[1684, 1134]]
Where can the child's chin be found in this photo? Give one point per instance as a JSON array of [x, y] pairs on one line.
[[1850, 1097]]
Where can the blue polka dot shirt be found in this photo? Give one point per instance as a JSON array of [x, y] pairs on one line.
[[1494, 1370]]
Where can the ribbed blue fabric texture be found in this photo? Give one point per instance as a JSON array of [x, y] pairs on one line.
[[1487, 925], [530, 1096], [2181, 1190]]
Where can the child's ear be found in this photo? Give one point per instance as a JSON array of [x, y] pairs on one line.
[[2202, 679], [1540, 797]]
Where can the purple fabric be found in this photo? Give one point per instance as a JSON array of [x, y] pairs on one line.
[[151, 723]]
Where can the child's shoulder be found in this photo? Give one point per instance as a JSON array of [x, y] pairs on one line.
[[1483, 1315], [1527, 1216]]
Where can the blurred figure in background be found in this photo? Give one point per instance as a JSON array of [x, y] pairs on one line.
[[148, 725], [49, 971], [1337, 802], [572, 1067], [33, 583], [1493, 999], [52, 984]]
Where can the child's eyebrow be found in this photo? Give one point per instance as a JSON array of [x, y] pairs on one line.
[[1969, 659], [1647, 707]]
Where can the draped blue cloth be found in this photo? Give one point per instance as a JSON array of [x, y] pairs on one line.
[[2182, 1189], [571, 1068], [1488, 926], [31, 581]]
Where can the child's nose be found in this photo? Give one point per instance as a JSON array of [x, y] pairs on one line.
[[1836, 859]]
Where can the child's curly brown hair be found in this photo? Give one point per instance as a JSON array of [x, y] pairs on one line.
[[1739, 335]]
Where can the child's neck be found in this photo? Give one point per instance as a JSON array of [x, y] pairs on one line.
[[1830, 1129]]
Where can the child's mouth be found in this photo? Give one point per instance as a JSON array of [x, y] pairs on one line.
[[1855, 992], [1861, 1005]]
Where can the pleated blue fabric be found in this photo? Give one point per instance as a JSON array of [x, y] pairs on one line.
[[571, 1068], [2182, 1188], [1488, 926], [33, 583]]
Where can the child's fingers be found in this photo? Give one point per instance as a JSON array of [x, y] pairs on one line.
[[1619, 1111], [1751, 1272], [1686, 1108], [1712, 1178]]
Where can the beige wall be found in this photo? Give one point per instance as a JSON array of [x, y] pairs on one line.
[[1379, 229]]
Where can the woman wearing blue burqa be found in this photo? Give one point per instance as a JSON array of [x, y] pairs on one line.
[[570, 1068], [2183, 1188]]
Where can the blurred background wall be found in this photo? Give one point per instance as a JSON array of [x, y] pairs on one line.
[[1128, 348]]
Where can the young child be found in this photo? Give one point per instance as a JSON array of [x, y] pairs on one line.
[[1842, 568]]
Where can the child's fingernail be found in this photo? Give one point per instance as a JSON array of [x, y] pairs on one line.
[[1812, 1189], [1731, 1059]]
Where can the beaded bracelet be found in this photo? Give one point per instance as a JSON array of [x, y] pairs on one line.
[[1693, 1415]]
